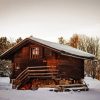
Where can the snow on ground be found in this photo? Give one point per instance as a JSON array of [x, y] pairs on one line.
[[4, 83], [45, 94], [4, 80], [92, 83]]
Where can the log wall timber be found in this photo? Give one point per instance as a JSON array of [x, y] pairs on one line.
[[69, 68], [72, 68]]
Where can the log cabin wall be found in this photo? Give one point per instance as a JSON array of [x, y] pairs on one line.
[[71, 68], [19, 60], [23, 58], [68, 67]]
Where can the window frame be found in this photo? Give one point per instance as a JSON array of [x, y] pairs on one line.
[[35, 52]]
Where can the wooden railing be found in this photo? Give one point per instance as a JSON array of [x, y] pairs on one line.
[[36, 72]]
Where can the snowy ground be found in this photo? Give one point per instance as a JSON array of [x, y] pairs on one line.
[[6, 93]]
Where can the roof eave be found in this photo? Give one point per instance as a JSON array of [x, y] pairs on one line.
[[79, 57]]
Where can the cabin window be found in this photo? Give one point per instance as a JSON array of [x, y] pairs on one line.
[[35, 52]]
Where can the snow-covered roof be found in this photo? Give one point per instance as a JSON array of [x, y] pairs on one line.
[[62, 49]]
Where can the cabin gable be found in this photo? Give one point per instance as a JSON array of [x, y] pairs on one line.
[[31, 54]]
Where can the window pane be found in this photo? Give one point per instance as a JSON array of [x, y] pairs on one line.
[[35, 51]]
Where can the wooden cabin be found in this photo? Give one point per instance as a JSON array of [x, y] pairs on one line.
[[40, 63]]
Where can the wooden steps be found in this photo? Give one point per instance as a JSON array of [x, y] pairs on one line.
[[71, 87], [37, 72]]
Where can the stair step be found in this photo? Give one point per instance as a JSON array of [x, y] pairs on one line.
[[71, 87]]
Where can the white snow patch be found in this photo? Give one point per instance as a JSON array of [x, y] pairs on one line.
[[4, 80], [45, 94], [5, 83], [92, 83]]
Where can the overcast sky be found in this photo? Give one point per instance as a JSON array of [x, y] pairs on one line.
[[49, 19]]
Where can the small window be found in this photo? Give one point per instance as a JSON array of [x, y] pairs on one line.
[[35, 52]]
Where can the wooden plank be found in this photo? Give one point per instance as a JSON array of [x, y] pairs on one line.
[[34, 74], [41, 67], [40, 76], [45, 70]]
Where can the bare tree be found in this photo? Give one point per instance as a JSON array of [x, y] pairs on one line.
[[89, 44], [62, 40], [5, 66], [19, 40], [74, 40], [4, 44]]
